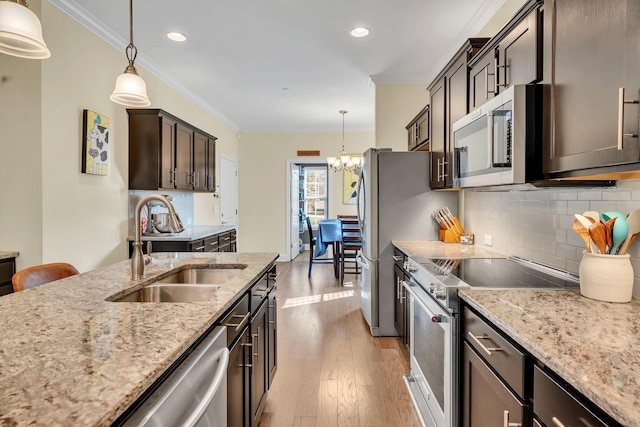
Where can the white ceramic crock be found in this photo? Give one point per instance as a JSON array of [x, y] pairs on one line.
[[606, 277]]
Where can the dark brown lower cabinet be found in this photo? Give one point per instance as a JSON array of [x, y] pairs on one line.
[[258, 363], [238, 383], [7, 270], [487, 402], [272, 317]]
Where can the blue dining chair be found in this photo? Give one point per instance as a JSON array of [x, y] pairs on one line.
[[312, 245]]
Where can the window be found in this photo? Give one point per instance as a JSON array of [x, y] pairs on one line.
[[315, 193]]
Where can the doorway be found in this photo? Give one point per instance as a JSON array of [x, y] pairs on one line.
[[309, 192], [228, 190]]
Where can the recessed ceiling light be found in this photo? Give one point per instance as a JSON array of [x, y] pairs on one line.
[[360, 32], [176, 37]]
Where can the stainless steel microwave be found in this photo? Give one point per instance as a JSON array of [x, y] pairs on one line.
[[500, 143]]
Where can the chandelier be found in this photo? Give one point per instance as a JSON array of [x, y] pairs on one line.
[[344, 161], [130, 89]]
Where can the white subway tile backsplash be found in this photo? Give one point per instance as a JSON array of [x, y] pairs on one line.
[[539, 224]]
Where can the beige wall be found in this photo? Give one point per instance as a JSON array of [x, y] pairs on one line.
[[20, 157], [395, 106], [53, 212], [262, 177]]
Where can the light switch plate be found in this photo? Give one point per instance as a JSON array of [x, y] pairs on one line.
[[488, 240]]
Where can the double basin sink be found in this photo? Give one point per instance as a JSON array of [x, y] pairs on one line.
[[187, 285]]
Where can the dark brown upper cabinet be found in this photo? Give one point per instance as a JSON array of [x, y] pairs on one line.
[[590, 53], [166, 153], [513, 56], [418, 131], [449, 94]]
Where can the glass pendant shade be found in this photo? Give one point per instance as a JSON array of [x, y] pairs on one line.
[[21, 32], [130, 90]]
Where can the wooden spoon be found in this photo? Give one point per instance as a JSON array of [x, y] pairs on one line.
[[609, 227], [593, 215], [579, 229], [598, 233]]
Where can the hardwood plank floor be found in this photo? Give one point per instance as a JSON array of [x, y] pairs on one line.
[[331, 371]]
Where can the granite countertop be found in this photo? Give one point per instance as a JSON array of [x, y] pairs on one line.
[[7, 255], [190, 233], [593, 345], [69, 357], [438, 249]]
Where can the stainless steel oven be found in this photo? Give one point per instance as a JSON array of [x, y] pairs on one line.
[[434, 319], [432, 356]]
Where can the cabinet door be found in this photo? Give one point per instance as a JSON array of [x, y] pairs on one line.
[[211, 165], [272, 342], [589, 66], [422, 128], [167, 152], [258, 362], [485, 397], [200, 148], [482, 84], [438, 134], [238, 383], [518, 54], [457, 102], [184, 158]]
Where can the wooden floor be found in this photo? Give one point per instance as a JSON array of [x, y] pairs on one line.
[[331, 371]]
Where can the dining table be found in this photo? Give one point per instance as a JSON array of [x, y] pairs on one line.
[[329, 234]]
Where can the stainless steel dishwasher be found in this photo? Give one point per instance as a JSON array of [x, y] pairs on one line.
[[195, 393]]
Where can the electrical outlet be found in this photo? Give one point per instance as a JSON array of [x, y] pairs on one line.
[[488, 240]]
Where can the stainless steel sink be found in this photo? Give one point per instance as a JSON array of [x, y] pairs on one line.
[[189, 285], [171, 293], [210, 276]]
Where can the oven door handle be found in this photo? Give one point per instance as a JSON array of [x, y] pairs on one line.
[[435, 318]]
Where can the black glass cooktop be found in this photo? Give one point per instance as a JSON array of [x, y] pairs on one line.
[[510, 272]]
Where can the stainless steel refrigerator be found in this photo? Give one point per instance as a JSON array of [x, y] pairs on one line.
[[394, 203]]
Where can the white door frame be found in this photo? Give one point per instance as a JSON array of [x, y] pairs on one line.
[[225, 190], [301, 161]]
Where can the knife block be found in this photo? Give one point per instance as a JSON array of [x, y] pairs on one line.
[[448, 236]]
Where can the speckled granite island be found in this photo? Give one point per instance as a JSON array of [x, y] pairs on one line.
[[438, 249], [70, 357], [593, 345]]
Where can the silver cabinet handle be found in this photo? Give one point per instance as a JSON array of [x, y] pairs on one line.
[[477, 339], [398, 296], [172, 174], [495, 74], [556, 422], [256, 354], [621, 102], [486, 82], [505, 84], [238, 326], [397, 258], [506, 422], [199, 248]]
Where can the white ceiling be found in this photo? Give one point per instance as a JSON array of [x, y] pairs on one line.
[[287, 65]]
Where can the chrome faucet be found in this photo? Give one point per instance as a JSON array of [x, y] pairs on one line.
[[137, 259]]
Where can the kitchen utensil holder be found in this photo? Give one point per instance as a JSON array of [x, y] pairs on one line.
[[451, 235], [606, 277]]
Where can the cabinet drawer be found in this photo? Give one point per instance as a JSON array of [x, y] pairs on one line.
[[237, 319], [507, 360], [197, 246], [399, 258], [555, 406], [211, 244]]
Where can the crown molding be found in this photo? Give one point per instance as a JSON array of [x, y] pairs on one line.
[[93, 24]]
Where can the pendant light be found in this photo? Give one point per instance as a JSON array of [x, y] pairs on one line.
[[20, 31], [130, 88], [344, 161]]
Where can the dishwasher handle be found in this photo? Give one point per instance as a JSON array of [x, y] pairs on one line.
[[223, 364]]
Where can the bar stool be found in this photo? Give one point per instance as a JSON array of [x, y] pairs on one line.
[[351, 245], [312, 244], [41, 274]]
